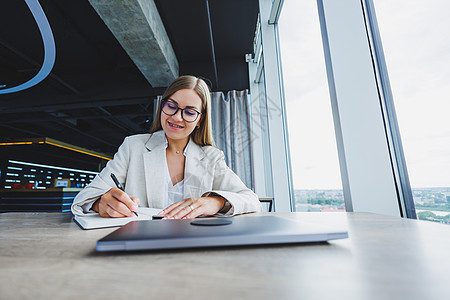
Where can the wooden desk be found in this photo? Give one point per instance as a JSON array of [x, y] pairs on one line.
[[47, 256]]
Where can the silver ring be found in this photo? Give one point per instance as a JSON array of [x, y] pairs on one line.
[[190, 206]]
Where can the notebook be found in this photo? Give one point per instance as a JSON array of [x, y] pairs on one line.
[[215, 232], [95, 221]]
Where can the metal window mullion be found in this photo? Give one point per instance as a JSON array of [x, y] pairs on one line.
[[383, 107], [257, 45], [259, 69], [387, 102], [284, 120], [257, 34], [274, 100], [335, 110], [363, 146], [259, 177], [275, 11], [258, 52]]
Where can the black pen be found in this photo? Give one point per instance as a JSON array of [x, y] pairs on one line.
[[119, 186]]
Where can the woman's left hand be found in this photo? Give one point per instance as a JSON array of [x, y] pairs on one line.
[[193, 207]]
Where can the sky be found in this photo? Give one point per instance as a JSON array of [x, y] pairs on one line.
[[417, 51]]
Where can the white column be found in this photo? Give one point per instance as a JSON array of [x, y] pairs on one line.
[[274, 92], [361, 132]]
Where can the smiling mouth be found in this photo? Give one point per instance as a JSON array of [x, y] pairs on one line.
[[174, 125]]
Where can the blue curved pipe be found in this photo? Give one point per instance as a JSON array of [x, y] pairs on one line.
[[49, 49]]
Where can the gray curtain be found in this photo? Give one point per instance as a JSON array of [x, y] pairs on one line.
[[230, 116]]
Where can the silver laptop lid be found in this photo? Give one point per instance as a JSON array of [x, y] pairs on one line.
[[242, 230]]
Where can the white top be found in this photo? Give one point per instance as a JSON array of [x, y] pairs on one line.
[[173, 193]]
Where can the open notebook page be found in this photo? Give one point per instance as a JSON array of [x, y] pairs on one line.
[[95, 221]]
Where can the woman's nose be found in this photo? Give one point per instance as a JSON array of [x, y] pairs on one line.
[[178, 116]]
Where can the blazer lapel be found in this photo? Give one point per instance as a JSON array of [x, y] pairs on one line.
[[154, 166], [194, 171]]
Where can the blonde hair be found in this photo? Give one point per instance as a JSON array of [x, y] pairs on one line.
[[201, 135]]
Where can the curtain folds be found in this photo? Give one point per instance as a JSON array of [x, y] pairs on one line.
[[230, 116]]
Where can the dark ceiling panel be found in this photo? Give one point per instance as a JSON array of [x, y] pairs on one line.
[[233, 25]]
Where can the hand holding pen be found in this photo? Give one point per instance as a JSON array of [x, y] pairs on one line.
[[115, 203], [119, 186]]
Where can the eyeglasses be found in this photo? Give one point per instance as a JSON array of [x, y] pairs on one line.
[[188, 114]]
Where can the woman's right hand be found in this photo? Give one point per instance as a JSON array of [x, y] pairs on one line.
[[115, 203]]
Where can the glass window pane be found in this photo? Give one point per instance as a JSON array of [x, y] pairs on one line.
[[314, 158], [417, 51]]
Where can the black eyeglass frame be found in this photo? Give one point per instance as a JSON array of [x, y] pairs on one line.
[[178, 108]]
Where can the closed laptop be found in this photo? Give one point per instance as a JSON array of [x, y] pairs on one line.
[[215, 232]]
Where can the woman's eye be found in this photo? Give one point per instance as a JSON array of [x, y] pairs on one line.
[[190, 112], [171, 105]]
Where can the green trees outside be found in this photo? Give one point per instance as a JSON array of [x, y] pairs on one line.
[[430, 216]]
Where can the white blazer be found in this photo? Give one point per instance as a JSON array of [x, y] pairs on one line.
[[139, 165]]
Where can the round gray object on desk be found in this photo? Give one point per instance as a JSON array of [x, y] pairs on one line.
[[211, 222]]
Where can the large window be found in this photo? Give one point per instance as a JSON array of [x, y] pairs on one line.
[[417, 51], [314, 159]]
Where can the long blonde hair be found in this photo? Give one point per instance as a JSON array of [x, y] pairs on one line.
[[201, 135]]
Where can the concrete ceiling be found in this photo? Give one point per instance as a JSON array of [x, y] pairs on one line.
[[138, 28], [101, 89]]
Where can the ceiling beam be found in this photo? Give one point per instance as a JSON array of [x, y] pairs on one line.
[[137, 26], [26, 131], [82, 132], [116, 122], [77, 117], [88, 103], [32, 133]]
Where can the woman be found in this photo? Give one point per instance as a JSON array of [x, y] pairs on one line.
[[175, 167]]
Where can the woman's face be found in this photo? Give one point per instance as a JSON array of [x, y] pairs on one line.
[[175, 127]]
